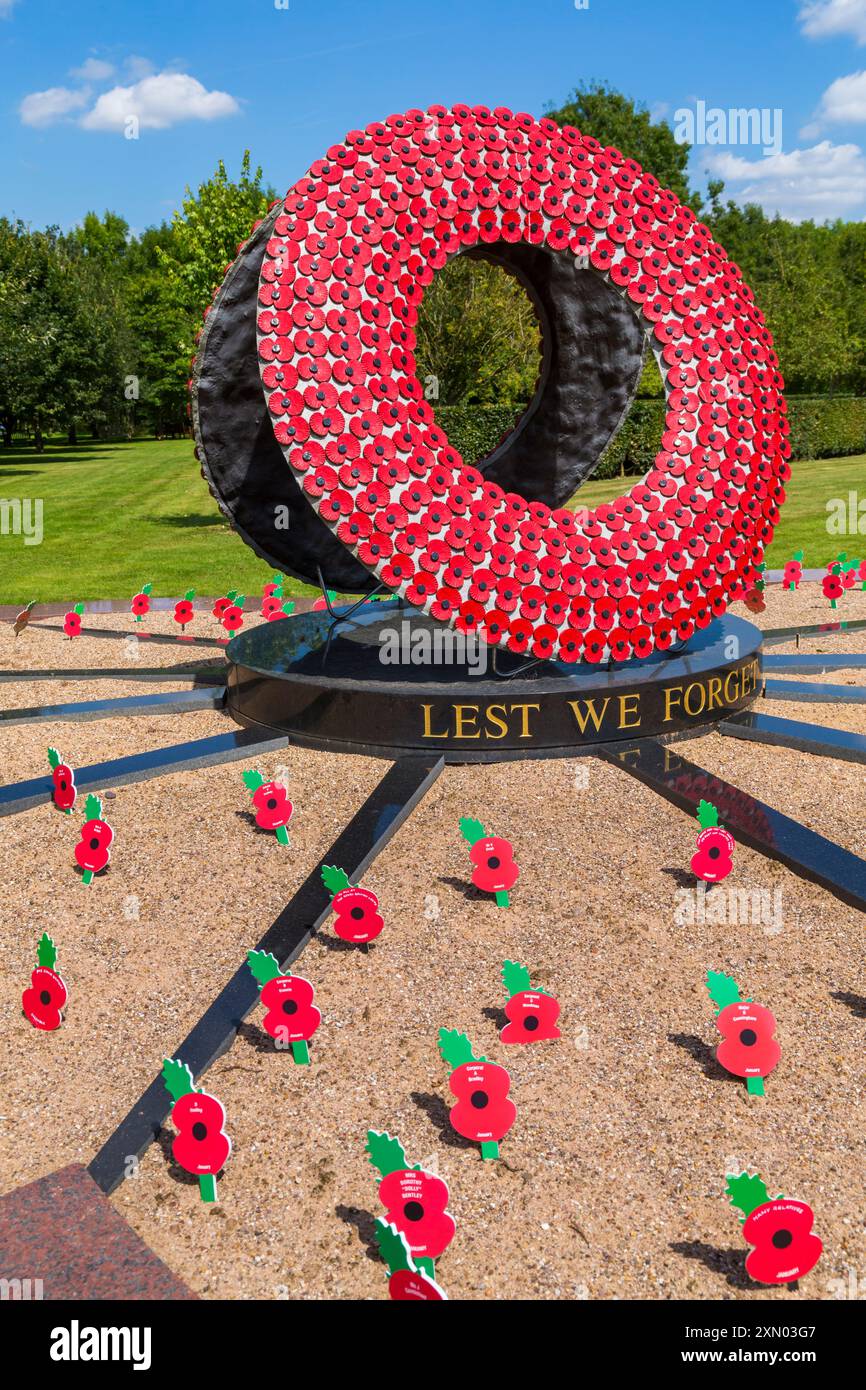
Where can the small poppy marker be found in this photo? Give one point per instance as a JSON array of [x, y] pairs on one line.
[[201, 1145], [357, 909], [532, 1014], [72, 621], [321, 604], [793, 571], [749, 1048], [275, 586], [141, 602], [273, 807], [779, 1228], [832, 585], [495, 870], [233, 617], [93, 851], [47, 994], [223, 604], [276, 608], [715, 847], [483, 1112], [64, 782], [184, 611], [291, 1014], [407, 1281], [415, 1201]]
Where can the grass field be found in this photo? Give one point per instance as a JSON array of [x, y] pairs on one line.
[[116, 516]]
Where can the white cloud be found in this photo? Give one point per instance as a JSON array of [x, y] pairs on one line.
[[138, 67], [825, 181], [48, 107], [845, 99], [93, 70], [158, 102], [822, 19]]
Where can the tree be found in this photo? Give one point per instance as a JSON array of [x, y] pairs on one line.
[[616, 120], [478, 336]]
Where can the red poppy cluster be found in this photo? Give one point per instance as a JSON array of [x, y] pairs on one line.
[[352, 249]]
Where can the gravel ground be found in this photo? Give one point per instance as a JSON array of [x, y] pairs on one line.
[[611, 1181]]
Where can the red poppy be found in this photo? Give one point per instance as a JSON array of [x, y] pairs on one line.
[[785, 1246], [223, 604], [416, 1201], [271, 606], [713, 860], [183, 611], [271, 800], [291, 1016], [483, 1111], [495, 869], [233, 617], [93, 851], [832, 586], [749, 1048], [141, 602], [64, 782], [47, 994], [200, 1146], [357, 909], [532, 1014], [72, 621]]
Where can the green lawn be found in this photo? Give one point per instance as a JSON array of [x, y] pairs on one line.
[[116, 516]]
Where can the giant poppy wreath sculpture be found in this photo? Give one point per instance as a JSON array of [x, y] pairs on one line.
[[352, 249]]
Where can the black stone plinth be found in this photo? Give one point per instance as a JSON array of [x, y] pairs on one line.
[[326, 686]]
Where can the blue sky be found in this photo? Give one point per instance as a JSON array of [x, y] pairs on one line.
[[208, 78]]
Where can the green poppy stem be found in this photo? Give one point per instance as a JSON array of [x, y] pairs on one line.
[[301, 1054], [283, 835], [501, 899], [425, 1264], [87, 877], [755, 1085], [207, 1187], [489, 1148]]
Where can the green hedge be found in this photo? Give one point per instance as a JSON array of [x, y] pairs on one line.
[[821, 427]]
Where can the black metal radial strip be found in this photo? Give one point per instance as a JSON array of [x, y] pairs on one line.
[[821, 739], [815, 693], [166, 638], [80, 711], [142, 767], [365, 836], [204, 676], [775, 636], [813, 663], [755, 824]]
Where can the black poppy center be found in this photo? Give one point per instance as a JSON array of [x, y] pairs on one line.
[[748, 1037], [531, 1023], [413, 1211], [782, 1239], [272, 803], [44, 997], [290, 1006], [94, 843], [493, 862], [480, 1099], [199, 1130], [357, 913], [714, 852]]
